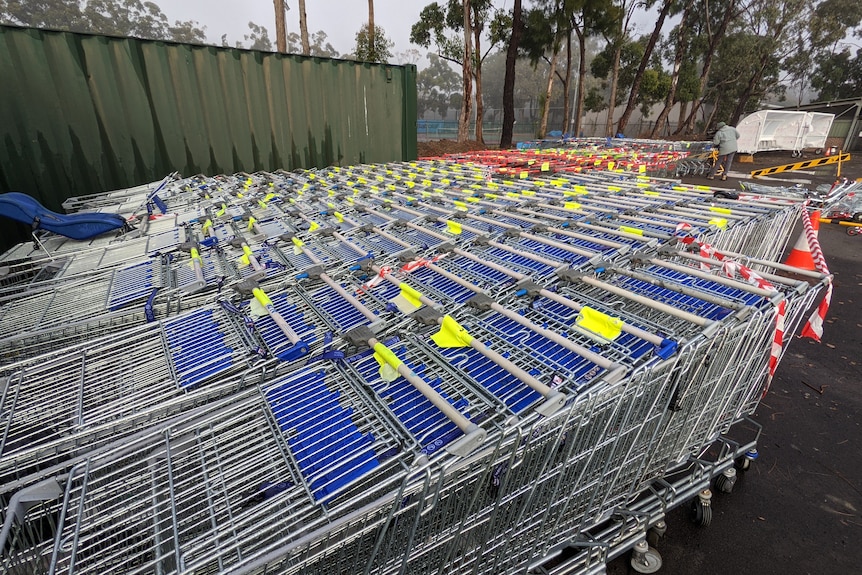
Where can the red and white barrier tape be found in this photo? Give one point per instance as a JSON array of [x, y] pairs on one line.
[[731, 268], [814, 326]]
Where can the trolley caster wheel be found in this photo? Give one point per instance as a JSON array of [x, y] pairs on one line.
[[726, 480], [701, 509], [645, 559], [744, 462], [655, 534]]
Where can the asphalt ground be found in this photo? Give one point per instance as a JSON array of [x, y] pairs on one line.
[[798, 509]]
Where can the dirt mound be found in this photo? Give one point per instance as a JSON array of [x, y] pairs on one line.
[[441, 147]]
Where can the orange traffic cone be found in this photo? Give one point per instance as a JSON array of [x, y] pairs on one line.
[[800, 255]]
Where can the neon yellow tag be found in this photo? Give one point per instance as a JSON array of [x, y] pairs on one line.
[[599, 323], [719, 210], [388, 362], [629, 230], [451, 334], [572, 205], [338, 216], [251, 222], [453, 227]]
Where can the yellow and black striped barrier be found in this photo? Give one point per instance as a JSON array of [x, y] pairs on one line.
[[840, 222], [838, 158]]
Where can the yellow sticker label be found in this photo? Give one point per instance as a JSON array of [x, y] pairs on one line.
[[628, 230], [572, 205]]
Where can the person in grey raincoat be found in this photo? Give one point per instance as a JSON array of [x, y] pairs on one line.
[[725, 140]]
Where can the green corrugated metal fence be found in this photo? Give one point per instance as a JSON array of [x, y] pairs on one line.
[[81, 114]]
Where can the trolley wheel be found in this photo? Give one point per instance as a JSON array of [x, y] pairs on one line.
[[645, 559], [857, 217], [744, 462], [818, 151], [655, 534], [854, 231], [701, 508], [726, 480], [796, 154]]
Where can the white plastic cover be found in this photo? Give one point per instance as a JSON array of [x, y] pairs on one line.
[[783, 130]]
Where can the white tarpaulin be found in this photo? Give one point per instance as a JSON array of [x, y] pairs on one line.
[[783, 130]]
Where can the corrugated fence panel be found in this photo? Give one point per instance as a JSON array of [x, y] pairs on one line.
[[81, 114]]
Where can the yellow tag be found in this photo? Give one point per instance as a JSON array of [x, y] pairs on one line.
[[611, 165], [297, 242], [411, 184], [207, 225], [473, 199], [251, 222], [524, 175], [262, 204], [445, 182], [642, 169], [614, 188], [702, 188], [314, 226], [460, 206], [599, 323], [408, 300], [720, 223], [451, 334], [453, 227], [581, 189], [221, 211], [528, 192], [492, 196], [572, 205], [388, 362], [338, 216], [629, 230], [648, 193], [427, 183], [513, 194], [642, 185], [246, 255], [546, 166], [195, 254], [679, 189], [719, 210]]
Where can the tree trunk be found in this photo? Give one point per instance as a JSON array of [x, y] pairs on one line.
[[480, 105], [674, 79], [280, 31], [467, 77], [303, 29], [543, 126], [509, 81], [615, 76], [729, 14], [567, 84], [636, 83], [582, 77], [372, 47]]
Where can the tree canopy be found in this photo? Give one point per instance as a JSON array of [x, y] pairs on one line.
[[126, 18]]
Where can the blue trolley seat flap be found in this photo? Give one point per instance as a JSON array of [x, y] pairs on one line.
[[80, 226], [329, 449], [431, 428], [197, 347]]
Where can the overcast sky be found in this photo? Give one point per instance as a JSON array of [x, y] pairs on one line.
[[340, 19]]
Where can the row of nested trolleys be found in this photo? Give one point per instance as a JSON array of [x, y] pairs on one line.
[[400, 368]]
